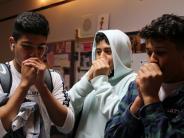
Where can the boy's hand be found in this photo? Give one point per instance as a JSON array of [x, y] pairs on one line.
[[40, 68], [99, 67], [149, 80], [28, 75]]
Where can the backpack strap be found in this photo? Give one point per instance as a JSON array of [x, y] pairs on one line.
[[48, 79], [5, 77]]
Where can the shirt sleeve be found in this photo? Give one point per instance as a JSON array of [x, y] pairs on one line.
[[62, 96], [79, 92], [109, 96], [67, 125]]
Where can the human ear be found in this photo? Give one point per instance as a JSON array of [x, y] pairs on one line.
[[12, 43], [12, 47]]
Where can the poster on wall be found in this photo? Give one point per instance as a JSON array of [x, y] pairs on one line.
[[85, 55], [103, 22], [84, 48], [50, 55], [87, 25], [63, 47]]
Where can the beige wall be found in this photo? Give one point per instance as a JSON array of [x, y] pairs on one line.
[[127, 15]]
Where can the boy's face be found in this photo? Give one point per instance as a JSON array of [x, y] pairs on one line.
[[169, 59], [103, 50], [27, 46]]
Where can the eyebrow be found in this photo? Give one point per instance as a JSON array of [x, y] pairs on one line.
[[29, 43], [156, 48], [104, 48]]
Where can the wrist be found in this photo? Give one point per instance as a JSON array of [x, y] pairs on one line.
[[133, 109], [24, 85], [136, 105], [90, 77], [151, 100]]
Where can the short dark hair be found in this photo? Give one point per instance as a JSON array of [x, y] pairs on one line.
[[167, 27], [100, 37], [30, 23]]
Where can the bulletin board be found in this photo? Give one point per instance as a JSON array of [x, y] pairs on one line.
[[84, 49], [60, 57]]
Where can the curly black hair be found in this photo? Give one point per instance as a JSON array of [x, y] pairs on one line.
[[167, 27], [30, 23]]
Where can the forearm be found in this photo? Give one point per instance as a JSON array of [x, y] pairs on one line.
[[11, 108], [57, 111], [79, 92]]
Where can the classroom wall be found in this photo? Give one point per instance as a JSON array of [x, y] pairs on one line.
[[127, 15]]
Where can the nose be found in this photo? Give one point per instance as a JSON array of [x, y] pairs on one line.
[[103, 54], [153, 58], [35, 52]]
